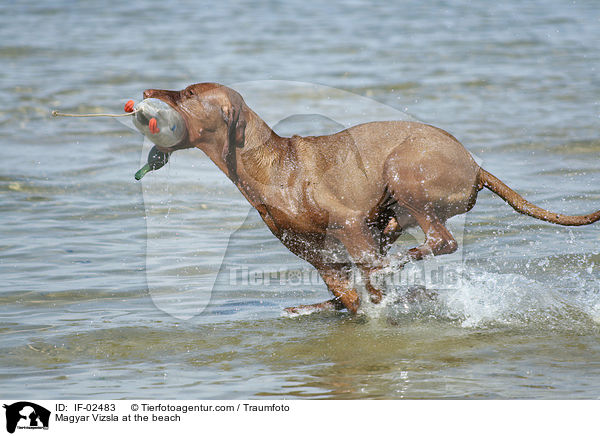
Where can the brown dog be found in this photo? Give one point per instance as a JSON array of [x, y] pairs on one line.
[[343, 198]]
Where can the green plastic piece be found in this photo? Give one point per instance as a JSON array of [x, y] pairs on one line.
[[156, 159]]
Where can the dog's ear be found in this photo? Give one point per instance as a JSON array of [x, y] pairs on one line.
[[234, 117]]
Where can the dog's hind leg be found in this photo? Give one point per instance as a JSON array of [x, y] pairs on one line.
[[424, 193], [438, 239]]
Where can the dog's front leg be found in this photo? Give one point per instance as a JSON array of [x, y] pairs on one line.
[[362, 247]]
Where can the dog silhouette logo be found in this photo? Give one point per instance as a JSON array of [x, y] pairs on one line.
[[26, 415]]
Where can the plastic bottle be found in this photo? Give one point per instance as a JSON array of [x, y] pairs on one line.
[[159, 122]]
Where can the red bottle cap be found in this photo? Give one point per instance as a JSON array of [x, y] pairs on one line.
[[129, 106], [153, 126]]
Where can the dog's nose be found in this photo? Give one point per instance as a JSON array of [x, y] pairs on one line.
[[162, 94]]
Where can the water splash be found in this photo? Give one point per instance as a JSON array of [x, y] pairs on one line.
[[486, 300]]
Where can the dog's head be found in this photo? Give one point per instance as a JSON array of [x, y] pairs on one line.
[[214, 115]]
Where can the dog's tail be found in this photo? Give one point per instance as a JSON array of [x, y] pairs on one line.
[[521, 205]]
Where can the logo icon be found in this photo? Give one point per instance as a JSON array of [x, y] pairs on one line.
[[26, 415]]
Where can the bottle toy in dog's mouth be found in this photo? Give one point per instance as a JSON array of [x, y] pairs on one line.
[[158, 121]]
